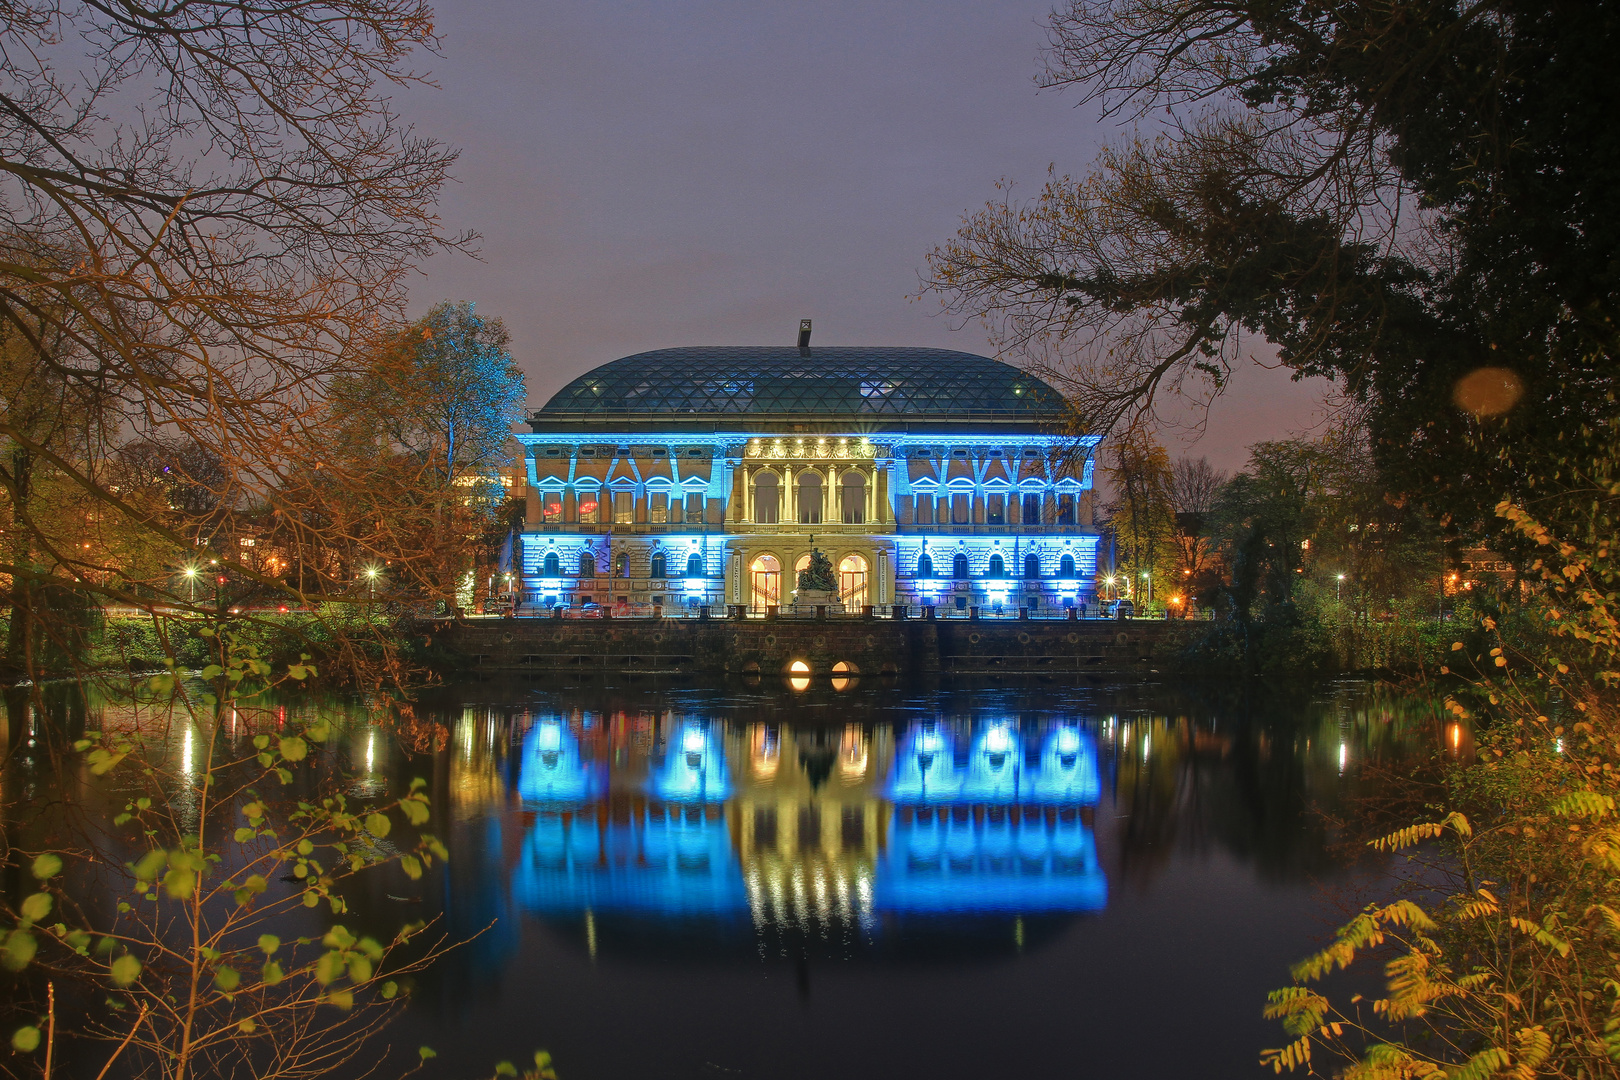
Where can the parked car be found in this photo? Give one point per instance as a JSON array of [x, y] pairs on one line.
[[588, 610], [1122, 609], [501, 604]]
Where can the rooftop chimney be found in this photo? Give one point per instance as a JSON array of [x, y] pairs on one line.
[[804, 336]]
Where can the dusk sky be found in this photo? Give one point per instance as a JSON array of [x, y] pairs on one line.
[[708, 173]]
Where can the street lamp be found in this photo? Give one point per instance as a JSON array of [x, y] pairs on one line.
[[191, 581], [371, 582], [1338, 586]]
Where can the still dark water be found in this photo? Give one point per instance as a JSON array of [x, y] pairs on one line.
[[875, 879]]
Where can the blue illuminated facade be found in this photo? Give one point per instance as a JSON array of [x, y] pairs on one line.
[[704, 476]]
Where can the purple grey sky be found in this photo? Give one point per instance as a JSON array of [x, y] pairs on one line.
[[709, 172]]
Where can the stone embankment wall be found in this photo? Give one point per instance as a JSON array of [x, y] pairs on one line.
[[867, 646]]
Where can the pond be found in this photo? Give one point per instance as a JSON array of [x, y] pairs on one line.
[[876, 879]]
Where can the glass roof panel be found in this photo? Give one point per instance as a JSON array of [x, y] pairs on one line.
[[825, 381]]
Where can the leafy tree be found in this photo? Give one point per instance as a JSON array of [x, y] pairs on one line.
[[1403, 197], [1142, 514], [424, 429], [199, 229]]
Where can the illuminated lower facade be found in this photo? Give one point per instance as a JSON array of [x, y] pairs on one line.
[[705, 477]]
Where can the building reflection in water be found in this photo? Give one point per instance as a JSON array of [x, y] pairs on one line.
[[823, 830]]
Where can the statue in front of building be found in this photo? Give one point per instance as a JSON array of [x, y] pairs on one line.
[[817, 586]]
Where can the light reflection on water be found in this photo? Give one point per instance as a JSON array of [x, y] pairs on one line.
[[709, 819], [998, 874]]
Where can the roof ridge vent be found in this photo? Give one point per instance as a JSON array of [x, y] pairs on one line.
[[804, 337]]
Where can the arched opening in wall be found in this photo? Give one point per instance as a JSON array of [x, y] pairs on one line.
[[925, 565], [843, 675], [694, 565], [552, 566], [1066, 566], [799, 675], [587, 564], [621, 564], [800, 565], [767, 497], [810, 497], [852, 495], [765, 577], [658, 567], [1032, 565], [998, 568], [852, 585], [845, 667], [959, 567]]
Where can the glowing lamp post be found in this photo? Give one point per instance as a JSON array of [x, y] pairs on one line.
[[1338, 588], [371, 582], [191, 582]]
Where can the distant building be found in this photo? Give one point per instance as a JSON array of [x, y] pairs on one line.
[[693, 476]]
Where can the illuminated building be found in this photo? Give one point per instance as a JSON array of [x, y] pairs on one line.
[[704, 476]]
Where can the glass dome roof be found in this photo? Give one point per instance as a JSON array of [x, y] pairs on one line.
[[827, 381]]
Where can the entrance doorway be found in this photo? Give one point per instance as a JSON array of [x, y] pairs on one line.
[[852, 582], [765, 575]]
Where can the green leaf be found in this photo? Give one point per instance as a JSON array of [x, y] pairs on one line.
[[319, 731], [389, 989], [180, 884], [293, 748], [359, 970], [343, 999], [426, 1052], [47, 866], [505, 1068], [212, 671], [269, 943], [18, 950], [36, 906], [260, 742], [412, 866], [328, 968], [416, 810], [272, 973], [125, 970], [25, 1040], [227, 979], [305, 847], [243, 835], [378, 825], [150, 864]]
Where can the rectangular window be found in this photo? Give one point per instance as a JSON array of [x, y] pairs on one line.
[[551, 507], [1032, 509], [925, 509], [961, 509], [1065, 512], [658, 511], [995, 512], [589, 508], [624, 507], [694, 507]]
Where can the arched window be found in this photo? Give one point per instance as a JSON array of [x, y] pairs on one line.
[[694, 566], [587, 564], [997, 567], [925, 565], [552, 566], [767, 497], [1032, 565], [853, 497], [658, 567], [621, 565], [1066, 566], [852, 581], [765, 575], [810, 497], [959, 567]]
